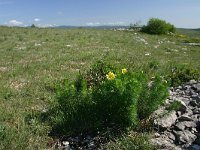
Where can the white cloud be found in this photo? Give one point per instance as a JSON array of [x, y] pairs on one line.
[[36, 19], [45, 25], [115, 23], [118, 23], [93, 24], [14, 23]]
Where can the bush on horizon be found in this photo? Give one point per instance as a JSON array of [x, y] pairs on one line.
[[158, 26]]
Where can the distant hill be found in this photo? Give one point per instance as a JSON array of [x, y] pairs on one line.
[[95, 27], [197, 29], [187, 29]]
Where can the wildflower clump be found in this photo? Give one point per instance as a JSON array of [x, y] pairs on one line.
[[93, 102]]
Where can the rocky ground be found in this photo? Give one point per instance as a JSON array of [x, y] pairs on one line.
[[176, 129], [179, 129], [80, 142]]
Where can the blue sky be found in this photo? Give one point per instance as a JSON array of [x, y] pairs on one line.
[[182, 13]]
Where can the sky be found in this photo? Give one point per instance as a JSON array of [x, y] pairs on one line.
[[181, 13]]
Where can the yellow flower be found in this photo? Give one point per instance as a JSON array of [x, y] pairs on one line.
[[124, 71], [110, 76]]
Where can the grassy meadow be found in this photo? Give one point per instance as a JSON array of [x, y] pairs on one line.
[[32, 60]]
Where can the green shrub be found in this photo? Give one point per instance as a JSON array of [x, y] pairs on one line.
[[158, 26], [112, 103], [117, 99]]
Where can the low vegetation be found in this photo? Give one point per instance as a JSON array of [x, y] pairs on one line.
[[133, 141], [38, 66], [179, 74], [174, 106]]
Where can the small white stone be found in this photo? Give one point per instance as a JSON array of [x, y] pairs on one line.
[[65, 143], [37, 44], [157, 135], [147, 54]]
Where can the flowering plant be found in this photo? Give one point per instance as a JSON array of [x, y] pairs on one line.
[[111, 98]]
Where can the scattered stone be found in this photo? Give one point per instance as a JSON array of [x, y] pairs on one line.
[[185, 124], [191, 82], [157, 135], [179, 126], [163, 143], [178, 113], [169, 135], [80, 142], [166, 121], [194, 147], [3, 69], [185, 118], [65, 143], [196, 111], [179, 129], [184, 137], [160, 112], [183, 106]]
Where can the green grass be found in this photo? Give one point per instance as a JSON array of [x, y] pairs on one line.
[[131, 141], [174, 106], [191, 32], [32, 60]]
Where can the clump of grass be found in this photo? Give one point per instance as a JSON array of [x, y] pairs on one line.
[[132, 141], [174, 106]]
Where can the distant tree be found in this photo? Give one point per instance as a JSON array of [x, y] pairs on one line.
[[33, 26], [158, 26]]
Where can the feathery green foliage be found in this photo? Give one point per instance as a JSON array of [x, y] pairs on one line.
[[119, 100]]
